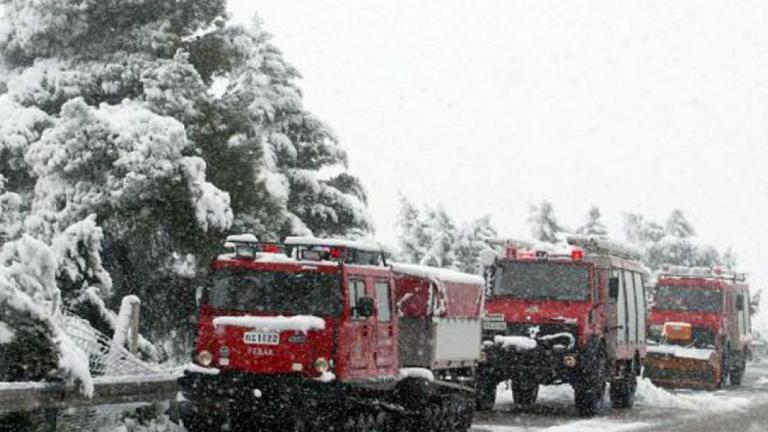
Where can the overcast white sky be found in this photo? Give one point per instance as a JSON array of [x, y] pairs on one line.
[[486, 106]]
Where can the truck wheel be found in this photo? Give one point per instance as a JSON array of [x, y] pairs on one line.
[[485, 396], [738, 373], [623, 391], [589, 390], [195, 423], [524, 393], [460, 411], [725, 372]]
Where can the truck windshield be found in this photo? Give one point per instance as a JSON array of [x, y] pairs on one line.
[[694, 299], [542, 281], [309, 293]]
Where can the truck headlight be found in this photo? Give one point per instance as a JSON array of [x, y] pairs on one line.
[[321, 365], [569, 361], [204, 358]]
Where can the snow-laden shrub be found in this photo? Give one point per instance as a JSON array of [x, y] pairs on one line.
[[30, 302]]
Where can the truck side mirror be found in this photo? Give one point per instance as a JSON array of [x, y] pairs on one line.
[[364, 307], [613, 287], [740, 302]]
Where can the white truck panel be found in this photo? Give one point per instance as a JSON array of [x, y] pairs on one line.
[[457, 340]]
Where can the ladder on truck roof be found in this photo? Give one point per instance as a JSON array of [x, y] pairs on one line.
[[601, 246]]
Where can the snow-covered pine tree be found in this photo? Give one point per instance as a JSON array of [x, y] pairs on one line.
[[678, 226], [544, 225], [674, 243], [170, 126], [412, 238], [729, 259], [441, 234], [471, 242], [593, 227], [640, 231]]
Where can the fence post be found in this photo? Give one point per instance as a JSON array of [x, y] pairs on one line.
[[133, 342]]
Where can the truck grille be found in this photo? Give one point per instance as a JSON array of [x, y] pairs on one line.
[[524, 329]]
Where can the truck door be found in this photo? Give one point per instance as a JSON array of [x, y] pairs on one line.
[[385, 353], [622, 321], [641, 307], [742, 313], [359, 331], [631, 306]]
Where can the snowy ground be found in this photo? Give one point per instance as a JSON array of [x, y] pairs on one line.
[[656, 409], [742, 409]]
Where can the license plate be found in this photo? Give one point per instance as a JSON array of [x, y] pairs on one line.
[[260, 338], [494, 325]]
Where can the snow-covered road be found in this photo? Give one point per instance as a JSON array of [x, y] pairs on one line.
[[741, 409]]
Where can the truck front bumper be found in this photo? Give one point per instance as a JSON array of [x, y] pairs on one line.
[[220, 395], [539, 365]]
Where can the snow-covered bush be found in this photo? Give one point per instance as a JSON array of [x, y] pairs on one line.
[[30, 301]]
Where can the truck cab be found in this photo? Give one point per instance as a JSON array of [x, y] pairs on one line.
[[575, 318], [700, 329], [304, 335]]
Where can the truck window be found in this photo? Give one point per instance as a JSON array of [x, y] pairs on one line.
[[543, 281], [309, 293], [356, 290], [696, 299], [383, 302]]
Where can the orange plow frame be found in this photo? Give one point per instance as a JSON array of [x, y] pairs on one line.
[[666, 370]]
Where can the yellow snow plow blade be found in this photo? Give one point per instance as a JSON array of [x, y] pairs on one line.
[[666, 369]]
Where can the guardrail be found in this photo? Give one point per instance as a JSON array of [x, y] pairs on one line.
[[28, 396]]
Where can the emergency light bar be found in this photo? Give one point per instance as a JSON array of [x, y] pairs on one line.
[[247, 246], [701, 272], [346, 251], [603, 246]]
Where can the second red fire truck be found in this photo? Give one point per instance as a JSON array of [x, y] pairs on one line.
[[577, 318], [699, 327], [319, 334]]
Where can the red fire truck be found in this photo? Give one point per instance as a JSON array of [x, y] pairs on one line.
[[309, 340], [577, 318], [699, 328]]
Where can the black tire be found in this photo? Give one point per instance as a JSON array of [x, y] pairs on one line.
[[588, 402], [525, 393], [485, 396], [725, 371], [623, 391], [195, 423], [589, 390], [738, 373]]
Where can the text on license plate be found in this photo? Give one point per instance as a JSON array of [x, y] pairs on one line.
[[260, 338], [494, 325]]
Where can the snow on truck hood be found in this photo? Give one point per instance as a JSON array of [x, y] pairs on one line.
[[302, 323]]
